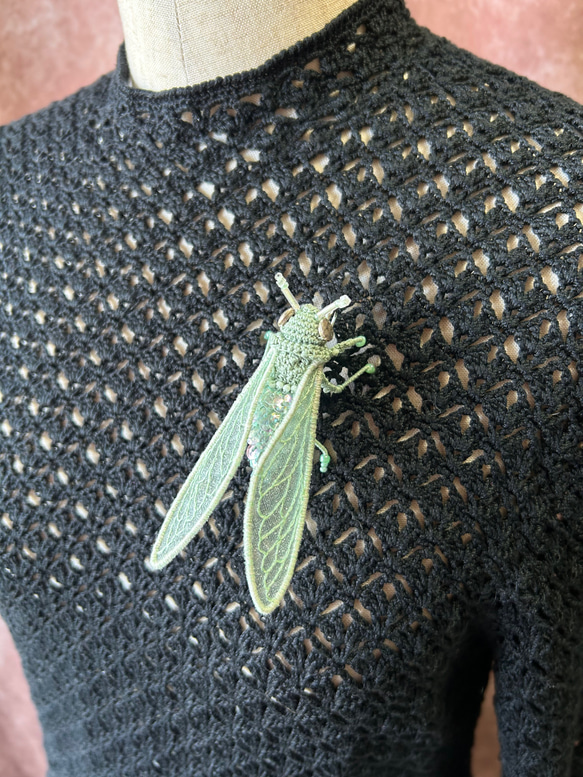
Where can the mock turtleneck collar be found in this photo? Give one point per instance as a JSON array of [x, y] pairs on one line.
[[353, 43]]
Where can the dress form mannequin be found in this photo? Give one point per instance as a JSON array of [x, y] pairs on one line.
[[174, 43]]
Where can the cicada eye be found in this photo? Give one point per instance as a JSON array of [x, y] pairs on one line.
[[285, 317], [325, 330]]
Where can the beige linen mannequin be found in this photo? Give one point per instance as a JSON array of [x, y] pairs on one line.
[[174, 43]]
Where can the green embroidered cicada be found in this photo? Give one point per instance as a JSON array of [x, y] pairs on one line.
[[272, 421]]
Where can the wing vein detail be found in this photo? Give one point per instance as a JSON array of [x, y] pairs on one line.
[[278, 495], [210, 476]]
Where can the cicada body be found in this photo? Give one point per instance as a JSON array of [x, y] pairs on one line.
[[273, 423]]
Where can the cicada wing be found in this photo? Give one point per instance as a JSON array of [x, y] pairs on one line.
[[278, 496], [210, 476]]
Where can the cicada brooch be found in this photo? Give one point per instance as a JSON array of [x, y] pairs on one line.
[[273, 423]]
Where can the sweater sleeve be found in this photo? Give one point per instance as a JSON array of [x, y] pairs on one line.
[[538, 669], [538, 658]]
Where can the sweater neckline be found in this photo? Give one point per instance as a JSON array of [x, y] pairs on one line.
[[385, 25]]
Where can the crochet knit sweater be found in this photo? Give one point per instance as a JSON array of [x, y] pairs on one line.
[[139, 238]]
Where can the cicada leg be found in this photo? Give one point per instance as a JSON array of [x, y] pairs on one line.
[[324, 456], [332, 388], [354, 342]]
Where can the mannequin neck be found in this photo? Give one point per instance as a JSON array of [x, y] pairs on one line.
[[175, 43]]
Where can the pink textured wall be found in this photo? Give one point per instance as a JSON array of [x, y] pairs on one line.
[[21, 750], [50, 48]]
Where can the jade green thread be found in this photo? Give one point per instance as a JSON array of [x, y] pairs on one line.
[[272, 421]]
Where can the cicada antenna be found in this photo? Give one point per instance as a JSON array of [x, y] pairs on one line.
[[342, 302], [283, 285]]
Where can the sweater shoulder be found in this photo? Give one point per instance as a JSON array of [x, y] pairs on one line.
[[63, 127], [466, 75]]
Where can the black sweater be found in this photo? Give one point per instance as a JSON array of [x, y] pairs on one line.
[[139, 237]]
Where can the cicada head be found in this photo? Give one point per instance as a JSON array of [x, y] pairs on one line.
[[302, 325], [305, 323]]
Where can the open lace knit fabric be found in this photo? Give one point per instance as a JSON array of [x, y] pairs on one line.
[[139, 238]]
